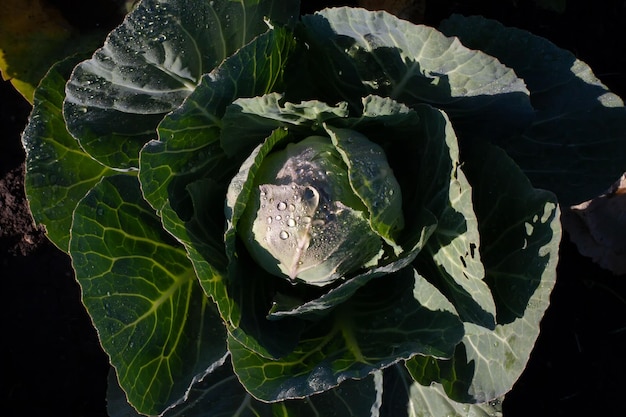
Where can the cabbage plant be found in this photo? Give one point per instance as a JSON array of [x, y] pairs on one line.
[[340, 213]]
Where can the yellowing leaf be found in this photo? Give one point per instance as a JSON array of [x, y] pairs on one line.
[[32, 37]]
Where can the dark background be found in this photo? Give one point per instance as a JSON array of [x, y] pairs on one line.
[[52, 363]]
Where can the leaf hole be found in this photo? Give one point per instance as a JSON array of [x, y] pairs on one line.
[[472, 250]]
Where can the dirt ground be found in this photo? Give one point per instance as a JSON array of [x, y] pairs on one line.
[[53, 364]]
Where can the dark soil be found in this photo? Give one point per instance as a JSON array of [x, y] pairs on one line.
[[53, 364]]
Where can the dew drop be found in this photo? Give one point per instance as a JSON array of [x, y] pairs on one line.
[[283, 235], [291, 223], [281, 206], [269, 220]]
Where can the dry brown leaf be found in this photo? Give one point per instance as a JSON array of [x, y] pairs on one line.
[[598, 227]]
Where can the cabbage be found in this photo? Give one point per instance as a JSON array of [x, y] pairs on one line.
[[338, 214]]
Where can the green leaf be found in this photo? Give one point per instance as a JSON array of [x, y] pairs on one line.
[[357, 52], [189, 137], [249, 119], [151, 63], [520, 234], [189, 150], [404, 397], [58, 172], [433, 401], [158, 328], [372, 179], [241, 187], [220, 394], [576, 146], [384, 322], [452, 259], [415, 146]]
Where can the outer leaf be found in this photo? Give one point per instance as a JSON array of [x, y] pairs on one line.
[[159, 330], [452, 259], [150, 63], [433, 401], [403, 397], [576, 147], [380, 325], [58, 172], [521, 234], [358, 52], [220, 394], [190, 135], [189, 150]]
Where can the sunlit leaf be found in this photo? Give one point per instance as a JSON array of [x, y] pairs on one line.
[[151, 63]]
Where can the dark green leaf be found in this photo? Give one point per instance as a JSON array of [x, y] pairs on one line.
[[249, 119], [58, 172], [151, 63], [357, 52], [323, 305], [451, 259], [158, 328], [520, 234], [373, 180], [576, 147], [388, 320], [189, 150], [220, 394]]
